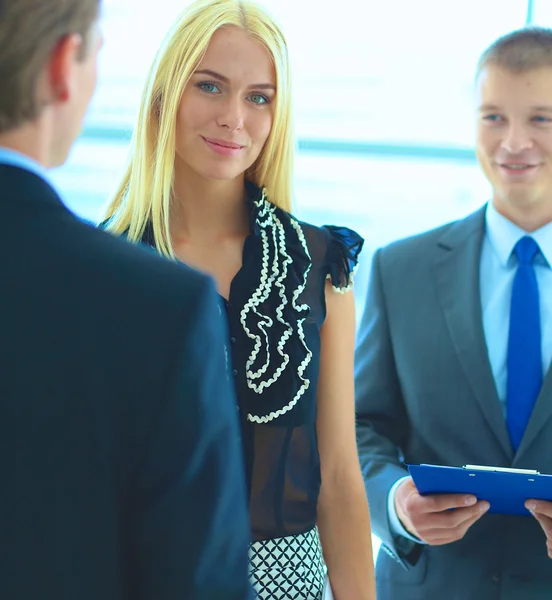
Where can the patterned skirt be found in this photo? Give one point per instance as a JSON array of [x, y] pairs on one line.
[[288, 568]]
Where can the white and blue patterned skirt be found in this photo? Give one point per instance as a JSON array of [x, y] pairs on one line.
[[288, 568]]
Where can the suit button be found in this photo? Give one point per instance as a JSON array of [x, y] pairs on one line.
[[233, 340], [496, 578], [235, 372]]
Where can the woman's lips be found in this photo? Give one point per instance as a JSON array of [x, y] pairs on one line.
[[223, 147]]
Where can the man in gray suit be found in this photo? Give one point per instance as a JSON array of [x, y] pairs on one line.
[[452, 363]]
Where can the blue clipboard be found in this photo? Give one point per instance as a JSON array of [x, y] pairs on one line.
[[506, 490]]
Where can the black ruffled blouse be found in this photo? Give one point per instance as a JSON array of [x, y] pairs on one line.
[[275, 310]]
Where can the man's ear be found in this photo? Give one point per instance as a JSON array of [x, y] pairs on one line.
[[60, 71]]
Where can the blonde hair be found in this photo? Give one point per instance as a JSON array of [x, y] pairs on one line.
[[145, 192]]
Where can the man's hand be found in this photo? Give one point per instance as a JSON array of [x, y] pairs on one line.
[[542, 511], [431, 519]]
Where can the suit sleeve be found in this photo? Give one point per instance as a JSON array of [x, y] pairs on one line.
[[382, 422], [190, 528]]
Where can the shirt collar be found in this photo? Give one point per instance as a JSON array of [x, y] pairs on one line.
[[16, 159], [503, 235]]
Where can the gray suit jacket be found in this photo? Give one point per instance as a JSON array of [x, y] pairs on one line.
[[426, 394]]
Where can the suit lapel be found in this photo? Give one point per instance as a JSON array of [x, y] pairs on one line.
[[456, 271], [541, 414]]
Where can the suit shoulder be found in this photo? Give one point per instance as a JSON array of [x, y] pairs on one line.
[[127, 268], [425, 238], [410, 247]]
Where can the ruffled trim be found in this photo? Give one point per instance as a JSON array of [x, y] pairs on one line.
[[279, 279], [344, 248]]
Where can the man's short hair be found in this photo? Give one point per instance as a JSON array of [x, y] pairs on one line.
[[29, 31], [520, 51]]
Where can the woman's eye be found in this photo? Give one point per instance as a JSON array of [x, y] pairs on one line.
[[208, 87], [258, 99]]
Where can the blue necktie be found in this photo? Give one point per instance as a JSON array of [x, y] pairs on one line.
[[524, 361]]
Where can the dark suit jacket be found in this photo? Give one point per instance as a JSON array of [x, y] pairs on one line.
[[121, 472], [426, 394]]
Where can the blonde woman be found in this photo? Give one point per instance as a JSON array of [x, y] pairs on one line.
[[209, 184]]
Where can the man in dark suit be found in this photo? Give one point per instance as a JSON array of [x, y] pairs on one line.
[[454, 354], [119, 453]]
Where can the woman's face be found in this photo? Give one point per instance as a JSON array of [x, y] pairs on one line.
[[226, 111]]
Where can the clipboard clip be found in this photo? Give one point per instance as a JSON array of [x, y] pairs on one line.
[[500, 469]]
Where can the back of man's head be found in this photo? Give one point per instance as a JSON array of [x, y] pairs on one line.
[[30, 30], [519, 51]]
